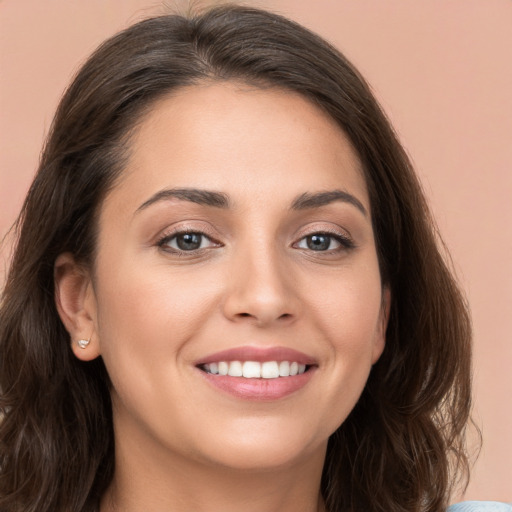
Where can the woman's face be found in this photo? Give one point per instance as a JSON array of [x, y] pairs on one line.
[[239, 239]]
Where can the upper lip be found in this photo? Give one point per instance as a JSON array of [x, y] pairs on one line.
[[259, 354]]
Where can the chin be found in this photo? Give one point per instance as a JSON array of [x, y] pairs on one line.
[[266, 449]]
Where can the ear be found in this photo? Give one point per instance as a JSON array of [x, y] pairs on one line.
[[380, 335], [76, 305]]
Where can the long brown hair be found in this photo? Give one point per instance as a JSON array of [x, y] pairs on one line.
[[401, 445]]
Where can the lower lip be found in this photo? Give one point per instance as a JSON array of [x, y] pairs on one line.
[[259, 389]]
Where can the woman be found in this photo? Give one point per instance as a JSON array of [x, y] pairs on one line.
[[226, 290]]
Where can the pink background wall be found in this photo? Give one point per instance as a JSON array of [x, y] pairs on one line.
[[443, 72]]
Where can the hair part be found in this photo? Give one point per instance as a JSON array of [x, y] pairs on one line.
[[401, 445]]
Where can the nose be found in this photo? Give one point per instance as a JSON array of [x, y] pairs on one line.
[[260, 289]]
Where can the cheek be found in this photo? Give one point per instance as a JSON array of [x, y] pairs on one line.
[[146, 314], [349, 308], [349, 316], [145, 320], [138, 297]]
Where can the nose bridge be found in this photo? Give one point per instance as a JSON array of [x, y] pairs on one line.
[[260, 287]]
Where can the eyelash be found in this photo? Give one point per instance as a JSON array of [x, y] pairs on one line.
[[344, 241], [168, 237]]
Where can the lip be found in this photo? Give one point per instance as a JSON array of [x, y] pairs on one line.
[[258, 354], [259, 389]]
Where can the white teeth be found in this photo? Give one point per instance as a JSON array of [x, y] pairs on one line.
[[223, 368], [235, 369], [270, 370], [284, 369], [252, 370], [255, 370]]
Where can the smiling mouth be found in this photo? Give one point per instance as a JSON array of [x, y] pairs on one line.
[[255, 369], [260, 374]]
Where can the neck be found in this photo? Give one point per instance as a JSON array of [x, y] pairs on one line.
[[251, 495]]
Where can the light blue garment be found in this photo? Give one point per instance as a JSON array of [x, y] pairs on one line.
[[480, 506]]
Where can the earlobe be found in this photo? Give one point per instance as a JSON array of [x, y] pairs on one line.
[[380, 338], [76, 305]]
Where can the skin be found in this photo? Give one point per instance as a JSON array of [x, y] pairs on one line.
[[152, 311]]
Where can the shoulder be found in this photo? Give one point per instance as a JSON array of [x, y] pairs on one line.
[[480, 506]]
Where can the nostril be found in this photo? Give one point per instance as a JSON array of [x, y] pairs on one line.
[[262, 317]]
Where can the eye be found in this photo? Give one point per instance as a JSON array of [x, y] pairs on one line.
[[186, 241], [322, 242]]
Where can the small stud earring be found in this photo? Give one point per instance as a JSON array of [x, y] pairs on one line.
[[83, 343]]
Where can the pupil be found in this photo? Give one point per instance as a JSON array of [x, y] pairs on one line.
[[189, 241], [318, 242]]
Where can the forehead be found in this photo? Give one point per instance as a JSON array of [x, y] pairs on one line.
[[245, 138]]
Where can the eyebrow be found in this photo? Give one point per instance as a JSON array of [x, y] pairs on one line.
[[221, 200], [193, 195], [308, 200]]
